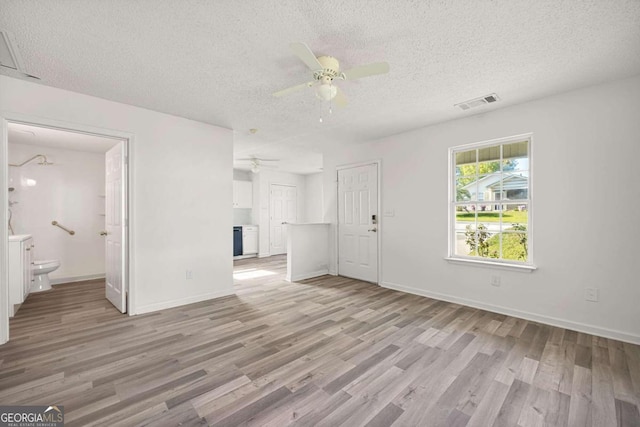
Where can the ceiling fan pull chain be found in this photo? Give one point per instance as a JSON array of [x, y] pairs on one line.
[[331, 91]]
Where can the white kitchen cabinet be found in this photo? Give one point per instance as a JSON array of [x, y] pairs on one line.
[[243, 194], [20, 270], [249, 239]]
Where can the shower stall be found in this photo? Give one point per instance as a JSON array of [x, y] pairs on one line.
[[43, 161]]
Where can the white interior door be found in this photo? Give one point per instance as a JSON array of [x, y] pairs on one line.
[[357, 228], [115, 208], [283, 202]]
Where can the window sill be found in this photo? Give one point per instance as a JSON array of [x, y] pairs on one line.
[[492, 264]]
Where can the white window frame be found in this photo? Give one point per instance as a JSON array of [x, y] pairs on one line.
[[453, 203]]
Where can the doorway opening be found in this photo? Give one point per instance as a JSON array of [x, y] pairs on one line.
[[68, 191]]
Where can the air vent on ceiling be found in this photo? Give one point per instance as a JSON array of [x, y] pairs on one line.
[[477, 102]]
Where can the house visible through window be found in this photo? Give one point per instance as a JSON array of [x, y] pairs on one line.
[[491, 201]]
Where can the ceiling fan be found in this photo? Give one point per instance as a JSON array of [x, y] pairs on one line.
[[327, 68], [257, 163]]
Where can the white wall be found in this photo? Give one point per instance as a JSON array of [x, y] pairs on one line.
[[308, 253], [314, 197], [242, 175], [261, 196], [586, 198], [242, 216], [68, 192], [181, 173]]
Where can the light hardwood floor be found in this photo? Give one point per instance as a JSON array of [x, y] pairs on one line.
[[325, 352]]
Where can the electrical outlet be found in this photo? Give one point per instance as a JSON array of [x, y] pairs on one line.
[[495, 281], [591, 294], [189, 274]]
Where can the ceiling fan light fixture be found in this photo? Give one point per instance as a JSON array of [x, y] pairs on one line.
[[325, 69], [326, 92], [255, 167]]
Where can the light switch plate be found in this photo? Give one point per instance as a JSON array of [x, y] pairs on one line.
[[591, 294]]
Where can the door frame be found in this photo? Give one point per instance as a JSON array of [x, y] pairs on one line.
[[336, 258], [128, 138], [270, 206]]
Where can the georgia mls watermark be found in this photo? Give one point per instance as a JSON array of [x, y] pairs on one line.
[[31, 416]]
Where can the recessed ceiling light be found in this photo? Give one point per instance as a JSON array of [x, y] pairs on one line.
[[253, 130]]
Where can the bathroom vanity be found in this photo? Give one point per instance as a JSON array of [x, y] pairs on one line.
[[20, 271]]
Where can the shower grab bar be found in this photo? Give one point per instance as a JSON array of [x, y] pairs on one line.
[[57, 224], [44, 161]]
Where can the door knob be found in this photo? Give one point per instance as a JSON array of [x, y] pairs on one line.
[[375, 230], [103, 233], [284, 223]]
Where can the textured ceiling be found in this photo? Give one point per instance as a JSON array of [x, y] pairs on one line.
[[64, 140], [218, 62]]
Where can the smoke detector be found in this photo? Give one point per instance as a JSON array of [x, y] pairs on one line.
[[477, 102]]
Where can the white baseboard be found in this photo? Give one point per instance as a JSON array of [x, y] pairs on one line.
[[184, 301], [308, 275], [264, 255], [553, 321], [59, 280]]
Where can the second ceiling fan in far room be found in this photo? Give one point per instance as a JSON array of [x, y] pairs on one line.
[[257, 163]]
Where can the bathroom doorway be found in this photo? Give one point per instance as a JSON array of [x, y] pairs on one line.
[[68, 188]]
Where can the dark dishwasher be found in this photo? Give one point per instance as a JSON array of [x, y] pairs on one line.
[[237, 241]]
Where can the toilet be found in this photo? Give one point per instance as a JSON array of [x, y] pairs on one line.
[[41, 270]]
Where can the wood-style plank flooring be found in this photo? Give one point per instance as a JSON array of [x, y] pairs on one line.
[[325, 352]]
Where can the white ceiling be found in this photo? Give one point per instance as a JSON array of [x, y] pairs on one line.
[[46, 137], [219, 62]]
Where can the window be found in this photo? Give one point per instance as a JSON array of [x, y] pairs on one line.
[[490, 206]]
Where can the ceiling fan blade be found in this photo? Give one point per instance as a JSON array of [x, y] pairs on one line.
[[366, 71], [340, 100], [306, 55], [292, 89], [259, 159]]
